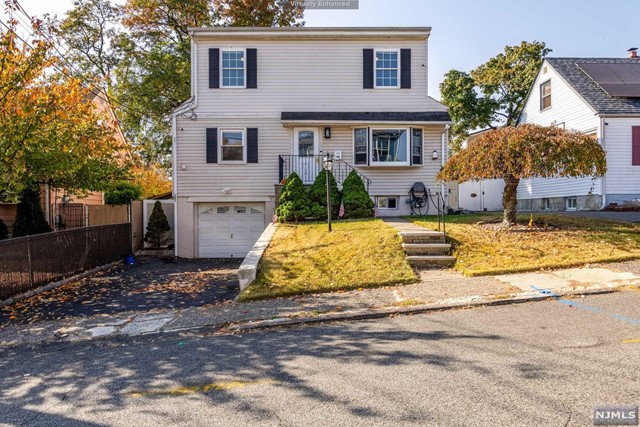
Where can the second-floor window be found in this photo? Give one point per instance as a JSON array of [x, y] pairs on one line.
[[386, 68], [233, 68], [545, 95], [233, 145]]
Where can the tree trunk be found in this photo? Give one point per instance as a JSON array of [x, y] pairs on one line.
[[509, 200]]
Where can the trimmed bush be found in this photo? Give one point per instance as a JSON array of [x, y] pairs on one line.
[[29, 215], [122, 193], [357, 203], [318, 196], [4, 231], [294, 203], [158, 227]]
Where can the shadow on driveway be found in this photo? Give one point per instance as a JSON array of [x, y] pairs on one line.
[[149, 284]]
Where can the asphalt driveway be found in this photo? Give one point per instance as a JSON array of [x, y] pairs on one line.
[[149, 284]]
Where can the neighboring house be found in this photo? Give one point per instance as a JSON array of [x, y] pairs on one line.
[[269, 101], [64, 210], [599, 97]]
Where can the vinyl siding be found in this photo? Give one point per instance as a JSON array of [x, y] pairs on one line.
[[568, 108], [622, 177], [312, 75]]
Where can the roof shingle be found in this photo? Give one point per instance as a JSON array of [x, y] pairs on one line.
[[593, 94]]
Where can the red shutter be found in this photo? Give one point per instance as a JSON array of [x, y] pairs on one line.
[[635, 145]]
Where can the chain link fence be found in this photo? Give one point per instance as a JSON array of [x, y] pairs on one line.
[[29, 262]]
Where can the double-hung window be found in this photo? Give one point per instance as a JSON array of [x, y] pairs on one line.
[[389, 147], [545, 95], [233, 68], [386, 68], [233, 147]]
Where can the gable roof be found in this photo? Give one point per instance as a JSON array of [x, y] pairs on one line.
[[589, 90]]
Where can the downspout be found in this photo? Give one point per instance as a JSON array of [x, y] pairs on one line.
[[603, 186], [47, 203]]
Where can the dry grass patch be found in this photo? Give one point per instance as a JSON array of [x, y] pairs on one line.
[[306, 258], [555, 241]]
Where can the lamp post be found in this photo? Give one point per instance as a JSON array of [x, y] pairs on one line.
[[328, 163]]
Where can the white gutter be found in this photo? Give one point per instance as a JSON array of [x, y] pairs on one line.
[[603, 186]]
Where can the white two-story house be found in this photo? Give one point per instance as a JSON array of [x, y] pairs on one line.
[[600, 97], [266, 102]]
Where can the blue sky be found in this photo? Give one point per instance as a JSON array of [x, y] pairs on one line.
[[465, 33]]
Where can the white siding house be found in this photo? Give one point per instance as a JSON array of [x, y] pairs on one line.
[[269, 101], [563, 94]]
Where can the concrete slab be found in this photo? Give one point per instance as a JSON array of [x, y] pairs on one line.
[[529, 281], [601, 276], [101, 331], [145, 324]]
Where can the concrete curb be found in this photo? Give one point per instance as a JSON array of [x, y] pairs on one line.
[[57, 284], [376, 313], [249, 268]]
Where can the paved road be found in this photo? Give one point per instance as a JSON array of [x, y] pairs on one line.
[[545, 363]]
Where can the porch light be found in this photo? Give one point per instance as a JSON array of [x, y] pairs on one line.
[[327, 133], [328, 163], [434, 155]]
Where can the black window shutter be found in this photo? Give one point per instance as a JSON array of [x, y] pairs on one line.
[[416, 146], [252, 145], [405, 68], [214, 68], [252, 68], [367, 68], [212, 145]]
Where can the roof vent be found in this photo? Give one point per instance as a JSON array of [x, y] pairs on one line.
[[633, 53]]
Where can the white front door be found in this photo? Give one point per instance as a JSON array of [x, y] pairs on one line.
[[228, 230], [306, 162]]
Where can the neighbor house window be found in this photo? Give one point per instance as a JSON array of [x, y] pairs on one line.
[[232, 148], [389, 146], [386, 68], [387, 202], [233, 69], [572, 204], [545, 95]]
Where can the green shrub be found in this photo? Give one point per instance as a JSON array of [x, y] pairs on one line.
[[122, 193], [4, 231], [294, 203], [158, 227], [29, 215], [357, 203], [318, 196]]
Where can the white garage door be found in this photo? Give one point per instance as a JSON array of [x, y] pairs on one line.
[[229, 230]]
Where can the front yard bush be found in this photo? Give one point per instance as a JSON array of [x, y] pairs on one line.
[[122, 193], [318, 196], [29, 215], [294, 203], [158, 227], [357, 202]]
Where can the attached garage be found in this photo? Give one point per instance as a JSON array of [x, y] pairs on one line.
[[229, 230]]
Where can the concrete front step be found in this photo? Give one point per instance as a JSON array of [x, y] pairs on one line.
[[422, 237], [431, 261], [427, 248]]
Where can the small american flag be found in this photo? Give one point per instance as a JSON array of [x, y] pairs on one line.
[[274, 219], [341, 211], [375, 210]]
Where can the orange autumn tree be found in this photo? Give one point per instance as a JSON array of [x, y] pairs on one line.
[[528, 151], [49, 130]]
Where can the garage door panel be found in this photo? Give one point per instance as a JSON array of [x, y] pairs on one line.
[[230, 229]]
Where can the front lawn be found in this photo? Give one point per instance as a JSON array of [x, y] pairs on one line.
[[556, 241], [306, 258]]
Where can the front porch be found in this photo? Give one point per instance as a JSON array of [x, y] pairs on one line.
[[308, 167]]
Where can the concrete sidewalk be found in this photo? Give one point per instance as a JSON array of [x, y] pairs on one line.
[[437, 289]]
